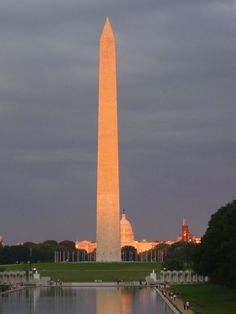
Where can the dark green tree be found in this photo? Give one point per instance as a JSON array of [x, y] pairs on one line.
[[180, 256], [51, 242], [14, 254], [128, 253], [67, 244], [160, 251], [216, 256]]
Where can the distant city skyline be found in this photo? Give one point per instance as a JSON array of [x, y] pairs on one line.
[[176, 94]]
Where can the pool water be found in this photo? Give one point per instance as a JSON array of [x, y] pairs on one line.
[[58, 300]]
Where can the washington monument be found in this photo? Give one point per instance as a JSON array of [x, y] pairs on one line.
[[108, 196]]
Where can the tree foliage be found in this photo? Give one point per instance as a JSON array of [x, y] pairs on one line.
[[33, 252], [216, 256], [128, 253], [67, 244], [180, 256]]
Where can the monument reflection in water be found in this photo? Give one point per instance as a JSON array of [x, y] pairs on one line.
[[58, 300], [130, 301]]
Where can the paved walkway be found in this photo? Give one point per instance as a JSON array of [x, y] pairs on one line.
[[180, 306], [178, 303]]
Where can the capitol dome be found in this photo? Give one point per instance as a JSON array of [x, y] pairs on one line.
[[126, 230]]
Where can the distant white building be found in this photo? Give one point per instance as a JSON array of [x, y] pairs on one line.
[[127, 238]]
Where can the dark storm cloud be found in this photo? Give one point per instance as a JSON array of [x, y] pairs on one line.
[[176, 80]]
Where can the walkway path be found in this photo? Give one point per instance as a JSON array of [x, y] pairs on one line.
[[180, 306], [178, 303]]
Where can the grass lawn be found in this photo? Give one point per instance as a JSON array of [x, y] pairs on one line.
[[88, 272], [208, 298]]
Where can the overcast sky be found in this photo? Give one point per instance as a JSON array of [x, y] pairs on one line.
[[176, 67]]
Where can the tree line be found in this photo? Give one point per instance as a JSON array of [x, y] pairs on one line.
[[214, 257], [33, 252]]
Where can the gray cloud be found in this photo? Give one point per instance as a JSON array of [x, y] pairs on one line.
[[176, 80]]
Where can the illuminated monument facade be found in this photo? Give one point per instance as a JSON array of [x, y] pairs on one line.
[[108, 196], [113, 233], [127, 238], [186, 236]]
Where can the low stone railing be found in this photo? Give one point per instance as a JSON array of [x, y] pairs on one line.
[[15, 276], [182, 276]]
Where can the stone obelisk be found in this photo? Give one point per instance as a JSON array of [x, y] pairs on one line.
[[108, 196]]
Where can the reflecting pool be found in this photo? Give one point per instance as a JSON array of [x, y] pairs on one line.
[[58, 300]]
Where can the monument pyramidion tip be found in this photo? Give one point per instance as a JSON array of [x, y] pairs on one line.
[[107, 33]]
